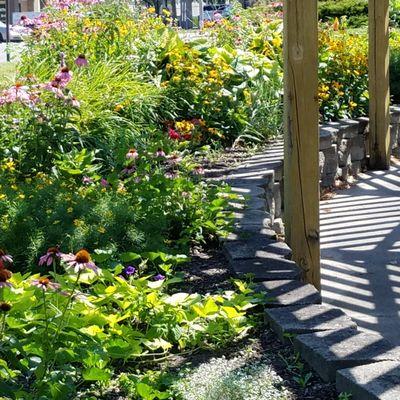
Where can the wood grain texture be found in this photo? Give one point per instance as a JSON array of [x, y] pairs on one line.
[[302, 136], [379, 86]]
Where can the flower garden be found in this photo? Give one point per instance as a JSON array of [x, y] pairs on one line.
[[105, 132]]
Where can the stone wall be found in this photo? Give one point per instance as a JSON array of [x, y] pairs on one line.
[[343, 147]]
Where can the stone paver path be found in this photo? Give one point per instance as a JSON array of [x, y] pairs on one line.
[[360, 245]]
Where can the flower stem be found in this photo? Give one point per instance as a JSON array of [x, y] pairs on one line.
[[60, 324], [2, 326]]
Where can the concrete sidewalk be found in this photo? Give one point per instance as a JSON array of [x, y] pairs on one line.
[[360, 245]]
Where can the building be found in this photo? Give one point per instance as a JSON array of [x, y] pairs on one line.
[[19, 6]]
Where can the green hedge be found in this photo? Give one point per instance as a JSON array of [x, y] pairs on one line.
[[355, 10]]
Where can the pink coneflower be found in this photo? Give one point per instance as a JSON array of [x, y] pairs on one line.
[[132, 154], [45, 284], [174, 159], [160, 153], [81, 61], [198, 170], [74, 102], [4, 257], [86, 180], [129, 170], [52, 254], [104, 182], [5, 275], [79, 261], [65, 76], [173, 134], [170, 175]]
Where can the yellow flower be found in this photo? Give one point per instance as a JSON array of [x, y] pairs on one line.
[[101, 229], [21, 196], [151, 10], [70, 209], [2, 196]]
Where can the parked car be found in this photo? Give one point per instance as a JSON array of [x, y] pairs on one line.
[[15, 33], [212, 12]]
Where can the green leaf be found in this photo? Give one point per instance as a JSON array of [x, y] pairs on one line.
[[126, 257], [96, 374], [145, 391]]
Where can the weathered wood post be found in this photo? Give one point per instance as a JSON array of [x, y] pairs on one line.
[[301, 173], [379, 92]]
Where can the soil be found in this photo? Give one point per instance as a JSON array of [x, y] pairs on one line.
[[209, 272]]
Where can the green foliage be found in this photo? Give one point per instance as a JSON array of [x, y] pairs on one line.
[[82, 327], [156, 204], [356, 11]]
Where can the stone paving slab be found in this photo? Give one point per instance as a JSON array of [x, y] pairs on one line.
[[256, 248], [288, 292], [329, 351], [242, 233], [378, 381], [306, 319], [266, 270], [248, 190]]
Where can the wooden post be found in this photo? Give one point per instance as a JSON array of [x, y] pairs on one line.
[[379, 91], [301, 175]]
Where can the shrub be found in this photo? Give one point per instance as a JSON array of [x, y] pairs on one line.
[[356, 11]]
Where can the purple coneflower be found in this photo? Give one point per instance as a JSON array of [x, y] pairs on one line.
[[86, 180], [81, 61], [45, 284], [104, 182], [65, 76], [198, 170], [132, 154], [159, 277], [160, 153], [5, 257], [52, 254], [170, 175], [79, 261], [129, 170], [5, 275]]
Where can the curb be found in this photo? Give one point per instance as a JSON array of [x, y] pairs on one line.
[[326, 338]]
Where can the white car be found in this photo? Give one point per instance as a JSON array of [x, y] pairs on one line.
[[15, 34]]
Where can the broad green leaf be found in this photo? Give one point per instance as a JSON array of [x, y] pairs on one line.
[[96, 374]]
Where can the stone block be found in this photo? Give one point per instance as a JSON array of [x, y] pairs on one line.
[[327, 136], [343, 173], [256, 248], [266, 269], [248, 190], [344, 152], [363, 125], [321, 162], [330, 160], [308, 318], [290, 293], [328, 180], [394, 133], [356, 168], [349, 128], [277, 200], [256, 218], [394, 114], [248, 234], [377, 381], [329, 351], [358, 148]]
